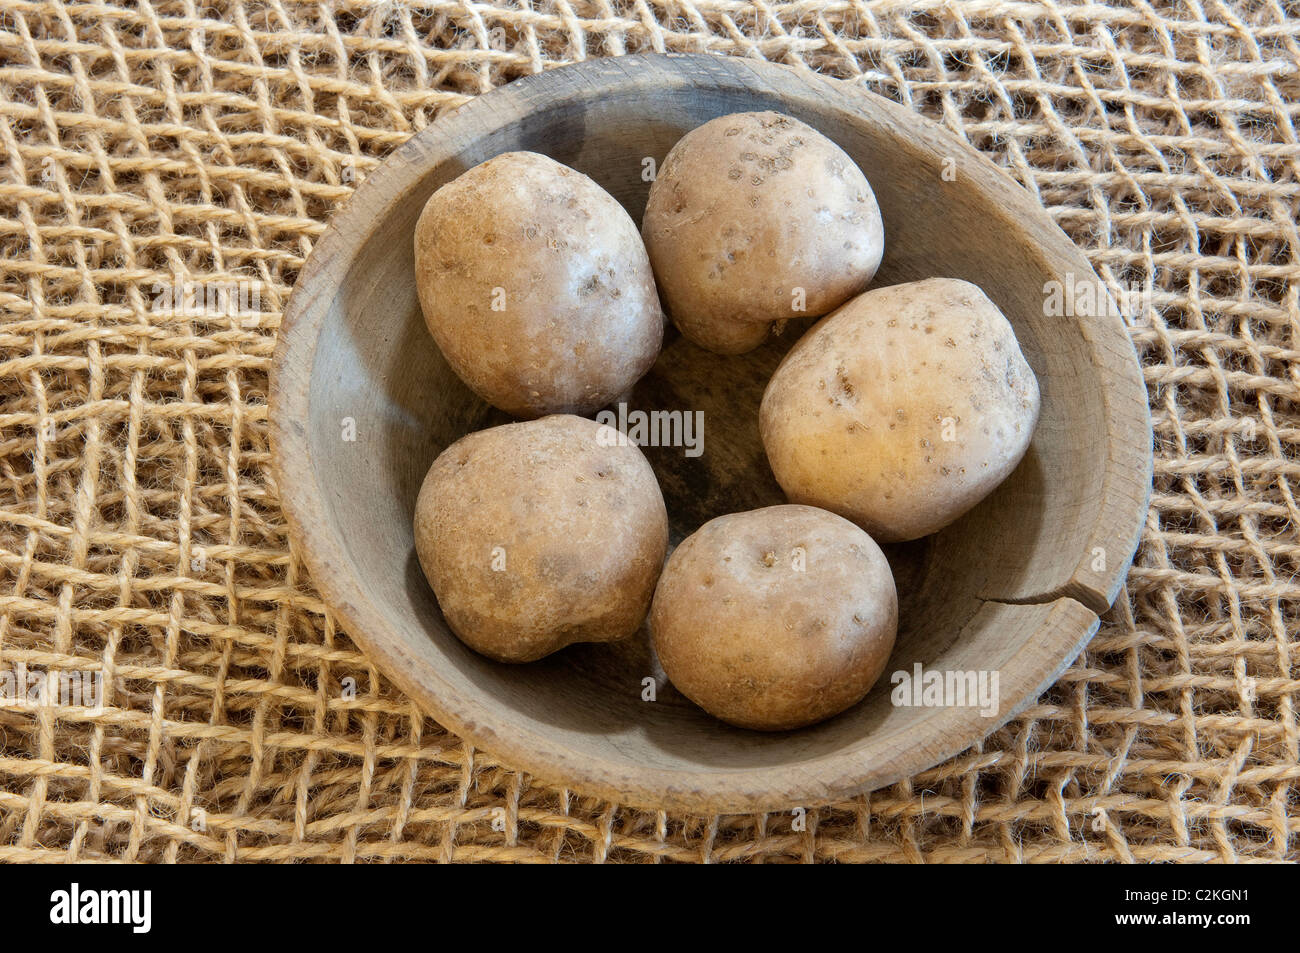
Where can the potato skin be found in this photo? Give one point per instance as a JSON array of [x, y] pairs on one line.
[[760, 644], [855, 418], [578, 531], [745, 209], [577, 319]]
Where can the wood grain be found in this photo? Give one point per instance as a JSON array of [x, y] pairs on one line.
[[1015, 586]]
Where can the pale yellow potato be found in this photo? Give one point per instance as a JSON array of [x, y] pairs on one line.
[[754, 218], [901, 410], [536, 286], [775, 618], [536, 535]]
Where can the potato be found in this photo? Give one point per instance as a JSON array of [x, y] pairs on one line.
[[536, 286], [536, 535], [755, 218], [775, 618], [901, 410]]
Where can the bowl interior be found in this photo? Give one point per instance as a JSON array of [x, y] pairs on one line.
[[381, 403]]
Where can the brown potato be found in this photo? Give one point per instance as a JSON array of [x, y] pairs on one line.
[[901, 410], [754, 218], [775, 618], [536, 535], [536, 286]]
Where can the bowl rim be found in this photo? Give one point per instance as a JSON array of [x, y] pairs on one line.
[[817, 781]]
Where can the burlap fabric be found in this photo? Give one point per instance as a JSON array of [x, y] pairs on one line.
[[139, 529]]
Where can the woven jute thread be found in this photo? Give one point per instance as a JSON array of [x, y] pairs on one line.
[[153, 144]]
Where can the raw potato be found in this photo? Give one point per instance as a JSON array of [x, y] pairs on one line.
[[536, 535], [536, 286], [901, 410], [775, 618], [746, 210]]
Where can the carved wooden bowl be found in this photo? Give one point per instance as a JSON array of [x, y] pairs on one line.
[[1014, 587]]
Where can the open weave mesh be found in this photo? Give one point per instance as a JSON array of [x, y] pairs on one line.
[[140, 533]]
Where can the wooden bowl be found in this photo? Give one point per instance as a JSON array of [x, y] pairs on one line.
[[1014, 587]]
